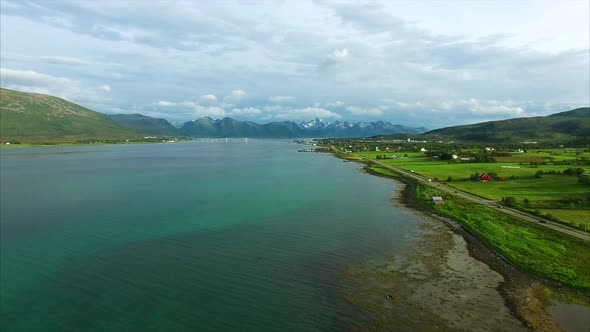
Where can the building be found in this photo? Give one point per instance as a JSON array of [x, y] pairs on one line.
[[485, 177], [437, 200]]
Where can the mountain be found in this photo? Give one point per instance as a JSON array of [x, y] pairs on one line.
[[34, 117], [146, 125], [318, 128], [567, 126], [228, 127]]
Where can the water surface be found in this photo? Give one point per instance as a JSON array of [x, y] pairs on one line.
[[198, 235], [211, 236]]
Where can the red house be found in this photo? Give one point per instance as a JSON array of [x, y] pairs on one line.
[[485, 178]]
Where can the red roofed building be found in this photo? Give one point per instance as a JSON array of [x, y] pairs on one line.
[[485, 178]]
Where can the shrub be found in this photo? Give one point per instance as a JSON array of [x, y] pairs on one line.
[[509, 201]]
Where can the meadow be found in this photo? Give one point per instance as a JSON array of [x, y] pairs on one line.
[[551, 193], [540, 251]]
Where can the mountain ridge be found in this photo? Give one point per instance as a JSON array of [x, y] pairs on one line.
[[564, 126], [228, 127], [37, 117], [145, 124]]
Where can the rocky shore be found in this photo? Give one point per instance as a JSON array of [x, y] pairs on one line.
[[523, 294]]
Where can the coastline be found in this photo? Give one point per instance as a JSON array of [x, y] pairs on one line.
[[524, 294]]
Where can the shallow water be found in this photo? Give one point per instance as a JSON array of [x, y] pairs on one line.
[[571, 317], [215, 236]]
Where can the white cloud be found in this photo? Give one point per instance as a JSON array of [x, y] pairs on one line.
[[249, 111], [31, 78], [481, 107], [209, 98], [281, 99], [164, 103], [210, 111], [370, 111], [306, 114], [335, 58], [105, 88], [412, 56], [64, 60], [237, 95], [339, 55], [336, 103], [63, 87]]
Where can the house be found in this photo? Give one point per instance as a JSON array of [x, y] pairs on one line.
[[485, 178], [423, 150], [437, 200]]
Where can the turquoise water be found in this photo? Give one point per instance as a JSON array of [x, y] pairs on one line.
[[190, 236]]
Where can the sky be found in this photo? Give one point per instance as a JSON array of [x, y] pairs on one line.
[[416, 63]]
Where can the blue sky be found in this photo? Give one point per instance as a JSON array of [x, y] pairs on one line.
[[419, 63]]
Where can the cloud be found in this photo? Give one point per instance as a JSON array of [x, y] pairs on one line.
[[164, 103], [481, 107], [249, 111], [336, 103], [370, 111], [105, 88], [31, 78], [209, 98], [37, 82], [306, 114], [382, 60], [281, 99], [336, 57], [237, 95], [62, 60]]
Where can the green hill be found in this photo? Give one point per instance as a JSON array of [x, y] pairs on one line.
[[33, 117], [564, 127], [146, 125]]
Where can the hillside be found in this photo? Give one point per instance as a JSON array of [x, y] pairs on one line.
[[33, 117], [567, 126], [228, 127], [146, 125]]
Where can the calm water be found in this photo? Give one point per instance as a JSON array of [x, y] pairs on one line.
[[186, 237]]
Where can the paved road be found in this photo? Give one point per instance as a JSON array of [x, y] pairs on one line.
[[476, 199]]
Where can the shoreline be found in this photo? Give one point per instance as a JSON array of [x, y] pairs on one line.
[[523, 294]]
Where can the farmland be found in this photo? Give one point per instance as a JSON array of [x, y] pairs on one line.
[[535, 179]]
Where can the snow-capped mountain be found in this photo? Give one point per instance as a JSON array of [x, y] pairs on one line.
[[227, 127]]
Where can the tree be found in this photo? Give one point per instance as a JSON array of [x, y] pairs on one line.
[[449, 179], [509, 201], [527, 203], [584, 180]]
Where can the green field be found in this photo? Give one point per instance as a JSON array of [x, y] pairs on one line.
[[531, 247], [556, 194]]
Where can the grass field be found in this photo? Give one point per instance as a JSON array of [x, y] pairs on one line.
[[543, 252], [540, 251], [556, 194]]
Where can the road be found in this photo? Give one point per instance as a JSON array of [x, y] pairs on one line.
[[491, 204]]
